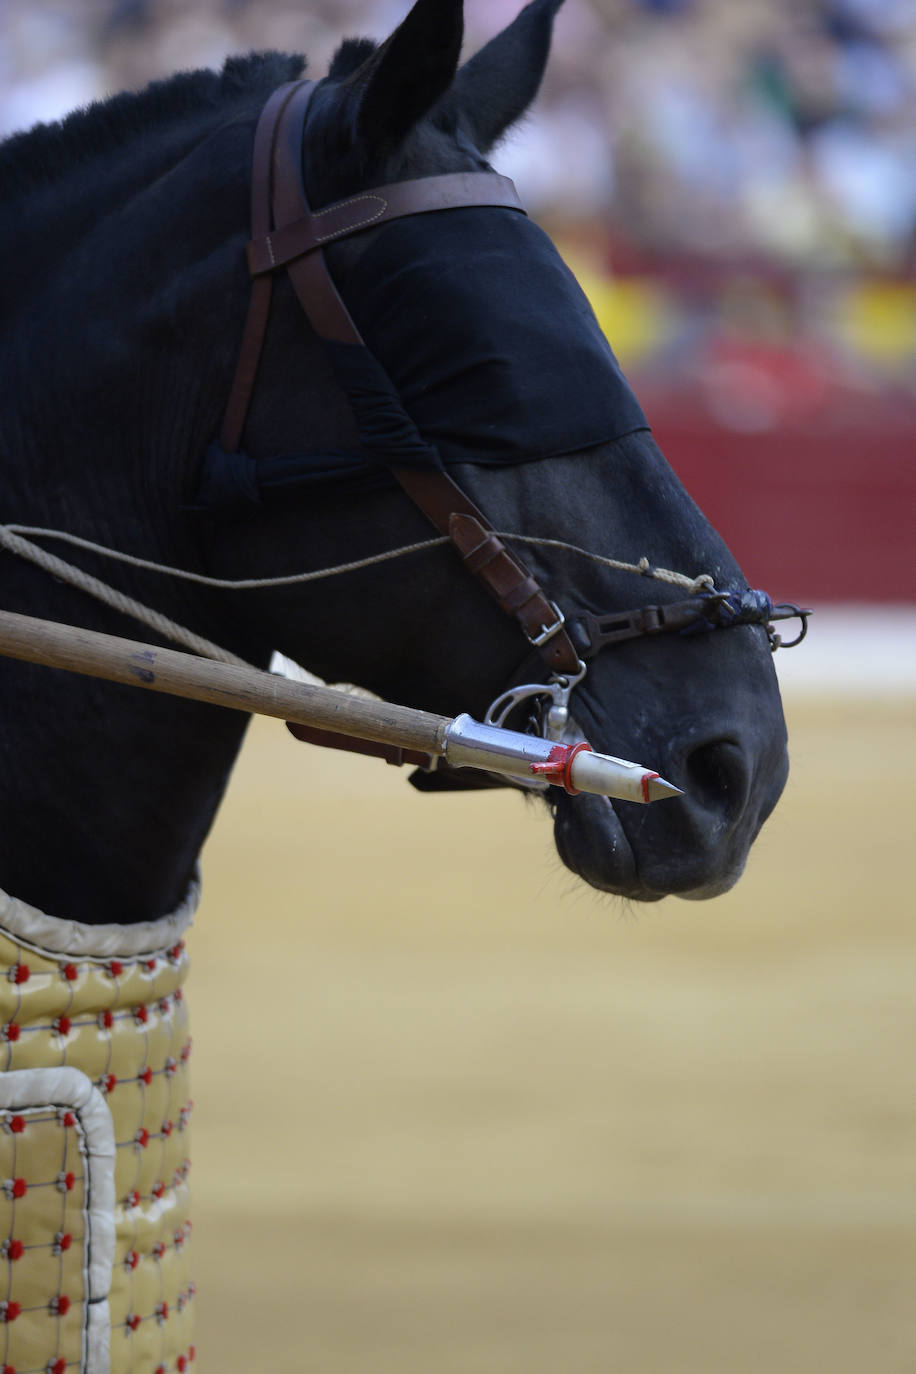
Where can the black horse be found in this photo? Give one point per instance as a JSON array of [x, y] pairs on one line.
[[124, 294]]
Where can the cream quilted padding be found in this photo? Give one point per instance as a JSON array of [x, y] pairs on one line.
[[101, 1139]]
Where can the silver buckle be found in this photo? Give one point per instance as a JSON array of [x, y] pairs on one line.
[[548, 631]]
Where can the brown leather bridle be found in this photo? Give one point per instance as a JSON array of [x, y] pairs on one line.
[[288, 235]]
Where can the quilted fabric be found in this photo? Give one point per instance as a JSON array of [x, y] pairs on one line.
[[107, 1002]]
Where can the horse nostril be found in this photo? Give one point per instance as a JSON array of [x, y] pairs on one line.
[[717, 775]]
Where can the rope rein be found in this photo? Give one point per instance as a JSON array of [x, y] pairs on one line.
[[11, 539], [85, 582], [732, 608]]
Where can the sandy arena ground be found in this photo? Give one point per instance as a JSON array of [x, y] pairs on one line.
[[457, 1115]]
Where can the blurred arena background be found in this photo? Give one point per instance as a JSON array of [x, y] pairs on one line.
[[734, 182], [454, 1113]]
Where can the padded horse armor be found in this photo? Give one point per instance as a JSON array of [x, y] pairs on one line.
[[94, 1112]]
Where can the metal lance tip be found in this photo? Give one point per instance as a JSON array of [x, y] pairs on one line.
[[575, 767], [659, 790]]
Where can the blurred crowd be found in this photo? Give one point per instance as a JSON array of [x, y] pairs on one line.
[[775, 129]]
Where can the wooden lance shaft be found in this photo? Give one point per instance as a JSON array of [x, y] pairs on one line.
[[221, 684], [462, 741]]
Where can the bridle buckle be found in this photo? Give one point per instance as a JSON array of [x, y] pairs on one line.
[[548, 631]]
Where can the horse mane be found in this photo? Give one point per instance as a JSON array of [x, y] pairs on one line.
[[47, 151]]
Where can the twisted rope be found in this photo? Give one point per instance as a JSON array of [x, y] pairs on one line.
[[12, 538], [642, 569], [85, 582]]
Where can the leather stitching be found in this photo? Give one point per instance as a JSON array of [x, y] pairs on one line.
[[350, 228]]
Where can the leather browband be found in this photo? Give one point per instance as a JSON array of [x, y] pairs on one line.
[[294, 240], [377, 206]]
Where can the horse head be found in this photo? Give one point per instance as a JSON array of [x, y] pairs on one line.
[[495, 355]]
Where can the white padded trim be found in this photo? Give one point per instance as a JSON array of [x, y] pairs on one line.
[[76, 940], [23, 1090], [98, 1339]]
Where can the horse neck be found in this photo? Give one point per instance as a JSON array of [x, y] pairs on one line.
[[120, 318], [106, 795]]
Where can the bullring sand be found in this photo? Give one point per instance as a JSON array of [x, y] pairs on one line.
[[457, 1115]]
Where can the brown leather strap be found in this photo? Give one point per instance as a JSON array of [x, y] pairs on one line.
[[252, 345], [601, 630], [351, 744], [309, 275], [505, 577], [383, 203]]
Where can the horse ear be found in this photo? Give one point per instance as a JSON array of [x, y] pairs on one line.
[[410, 72], [497, 85]]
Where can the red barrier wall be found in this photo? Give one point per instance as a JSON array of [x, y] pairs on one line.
[[823, 511]]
